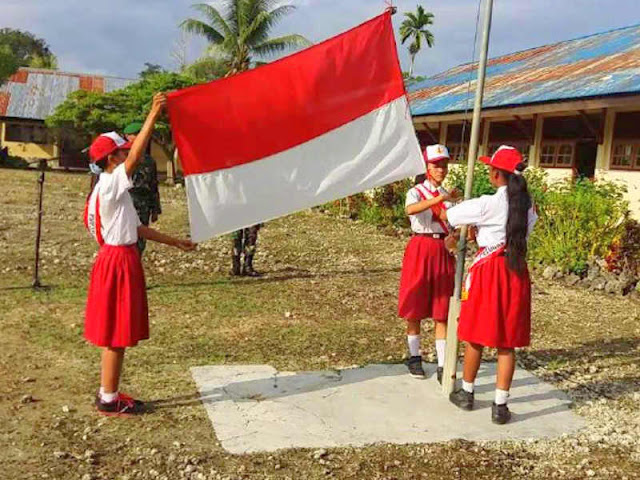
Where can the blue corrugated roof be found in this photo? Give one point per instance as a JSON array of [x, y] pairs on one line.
[[35, 94], [597, 65]]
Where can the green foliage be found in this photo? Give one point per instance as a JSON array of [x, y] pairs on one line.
[[239, 32], [578, 221], [8, 63], [414, 28], [151, 69], [89, 113], [206, 69], [457, 178], [27, 49]]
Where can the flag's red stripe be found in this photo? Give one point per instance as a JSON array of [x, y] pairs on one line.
[[273, 108]]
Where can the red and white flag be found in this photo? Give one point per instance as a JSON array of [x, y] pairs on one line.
[[318, 125]]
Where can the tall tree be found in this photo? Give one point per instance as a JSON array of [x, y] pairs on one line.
[[86, 114], [8, 63], [29, 50], [239, 33], [414, 28]]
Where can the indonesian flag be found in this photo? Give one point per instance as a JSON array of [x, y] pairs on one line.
[[313, 127]]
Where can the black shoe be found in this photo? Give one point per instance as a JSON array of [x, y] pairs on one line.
[[122, 406], [439, 374], [500, 414], [415, 367], [462, 399]]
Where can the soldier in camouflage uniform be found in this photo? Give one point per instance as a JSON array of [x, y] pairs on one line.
[[244, 241], [145, 194]]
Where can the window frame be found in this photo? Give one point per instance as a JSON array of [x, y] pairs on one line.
[[557, 145], [635, 154]]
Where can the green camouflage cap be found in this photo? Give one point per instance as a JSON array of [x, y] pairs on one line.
[[133, 128]]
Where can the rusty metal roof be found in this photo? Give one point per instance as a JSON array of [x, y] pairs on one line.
[[34, 94], [594, 66]]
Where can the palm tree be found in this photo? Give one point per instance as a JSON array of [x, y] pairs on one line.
[[239, 32], [414, 27]]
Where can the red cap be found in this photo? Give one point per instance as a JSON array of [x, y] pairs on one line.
[[506, 158], [106, 144]]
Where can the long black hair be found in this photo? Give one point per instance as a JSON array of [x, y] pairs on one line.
[[517, 222]]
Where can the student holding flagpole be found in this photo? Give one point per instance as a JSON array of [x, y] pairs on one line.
[[427, 277], [496, 307], [116, 313]]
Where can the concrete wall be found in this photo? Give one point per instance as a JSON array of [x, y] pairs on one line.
[[631, 180]]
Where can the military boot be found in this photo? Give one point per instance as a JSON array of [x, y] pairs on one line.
[[235, 268], [247, 268]]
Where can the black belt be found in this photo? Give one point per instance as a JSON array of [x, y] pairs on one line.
[[437, 236]]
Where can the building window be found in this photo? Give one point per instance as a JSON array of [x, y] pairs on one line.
[[626, 155], [559, 155], [25, 133]]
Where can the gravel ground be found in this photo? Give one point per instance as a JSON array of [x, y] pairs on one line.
[[328, 281]]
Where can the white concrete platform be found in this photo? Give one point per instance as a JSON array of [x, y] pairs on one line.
[[255, 408]]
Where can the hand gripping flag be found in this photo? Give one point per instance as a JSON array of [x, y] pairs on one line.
[[318, 125]]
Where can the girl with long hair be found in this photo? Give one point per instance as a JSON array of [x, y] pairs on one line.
[[496, 307]]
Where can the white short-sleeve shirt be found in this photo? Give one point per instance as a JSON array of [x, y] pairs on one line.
[[424, 222], [489, 213], [118, 217]]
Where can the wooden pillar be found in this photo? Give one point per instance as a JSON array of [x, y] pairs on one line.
[[603, 159], [443, 132], [534, 150], [484, 146]]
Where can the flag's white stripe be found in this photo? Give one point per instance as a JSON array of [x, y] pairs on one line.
[[373, 150]]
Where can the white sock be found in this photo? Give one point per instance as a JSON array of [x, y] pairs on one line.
[[107, 397], [441, 346], [501, 396], [467, 387], [414, 345]]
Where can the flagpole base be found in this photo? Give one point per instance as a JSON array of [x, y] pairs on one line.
[[451, 355]]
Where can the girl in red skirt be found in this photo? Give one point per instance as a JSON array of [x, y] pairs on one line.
[[496, 307], [116, 314], [426, 282]]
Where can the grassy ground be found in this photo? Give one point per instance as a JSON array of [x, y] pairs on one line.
[[328, 301]]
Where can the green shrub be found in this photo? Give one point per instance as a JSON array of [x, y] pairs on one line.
[[578, 221], [457, 178]]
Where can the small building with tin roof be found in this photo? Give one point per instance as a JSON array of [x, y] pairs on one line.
[[31, 95], [573, 108]]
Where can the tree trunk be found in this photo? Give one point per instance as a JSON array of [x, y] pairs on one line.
[[413, 58]]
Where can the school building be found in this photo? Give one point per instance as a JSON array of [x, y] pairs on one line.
[[573, 108], [30, 96]]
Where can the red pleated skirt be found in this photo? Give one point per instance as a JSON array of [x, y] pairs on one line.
[[117, 313], [426, 281], [497, 312]]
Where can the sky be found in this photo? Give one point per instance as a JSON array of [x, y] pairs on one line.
[[116, 37]]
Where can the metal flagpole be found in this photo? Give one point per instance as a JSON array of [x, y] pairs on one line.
[[451, 357]]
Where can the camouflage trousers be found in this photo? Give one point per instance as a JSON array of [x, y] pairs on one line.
[[244, 241], [144, 214]]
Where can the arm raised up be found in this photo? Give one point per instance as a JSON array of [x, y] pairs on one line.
[[142, 140]]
